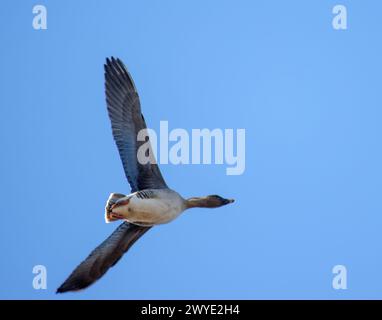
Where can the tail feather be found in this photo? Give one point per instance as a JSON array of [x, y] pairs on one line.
[[112, 200]]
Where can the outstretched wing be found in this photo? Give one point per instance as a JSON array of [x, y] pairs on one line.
[[124, 110], [103, 257]]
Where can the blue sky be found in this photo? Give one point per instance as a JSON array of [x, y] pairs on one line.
[[308, 96]]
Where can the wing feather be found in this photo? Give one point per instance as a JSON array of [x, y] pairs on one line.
[[106, 255], [124, 111]]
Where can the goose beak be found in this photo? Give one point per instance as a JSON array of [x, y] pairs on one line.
[[229, 201]]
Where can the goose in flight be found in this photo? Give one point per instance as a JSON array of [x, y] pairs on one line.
[[150, 202]]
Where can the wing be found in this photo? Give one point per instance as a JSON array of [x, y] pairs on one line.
[[103, 257], [124, 110]]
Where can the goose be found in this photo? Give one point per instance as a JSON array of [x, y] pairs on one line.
[[150, 203]]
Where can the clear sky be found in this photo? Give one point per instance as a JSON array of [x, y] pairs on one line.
[[308, 96]]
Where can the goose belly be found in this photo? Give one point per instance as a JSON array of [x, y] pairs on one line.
[[150, 211]]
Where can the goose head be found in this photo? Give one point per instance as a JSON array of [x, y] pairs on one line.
[[211, 201]]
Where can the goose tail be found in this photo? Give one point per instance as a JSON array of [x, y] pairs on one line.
[[109, 203]]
